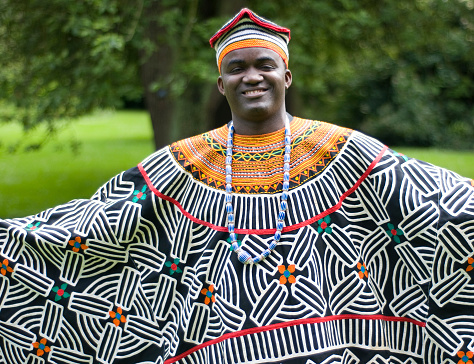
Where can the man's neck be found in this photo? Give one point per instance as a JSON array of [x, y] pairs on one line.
[[258, 127]]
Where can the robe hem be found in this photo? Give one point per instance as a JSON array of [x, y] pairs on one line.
[[313, 320]]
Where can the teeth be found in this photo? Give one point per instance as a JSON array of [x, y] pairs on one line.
[[255, 92]]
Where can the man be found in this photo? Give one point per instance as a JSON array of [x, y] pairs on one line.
[[271, 239]]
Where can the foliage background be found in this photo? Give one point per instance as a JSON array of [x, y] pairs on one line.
[[105, 144], [401, 70]]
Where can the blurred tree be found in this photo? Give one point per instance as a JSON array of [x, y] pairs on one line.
[[62, 59], [401, 70]]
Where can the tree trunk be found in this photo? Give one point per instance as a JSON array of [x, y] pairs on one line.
[[198, 108], [156, 66], [216, 110]]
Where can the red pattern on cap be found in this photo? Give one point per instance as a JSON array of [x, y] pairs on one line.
[[255, 18]]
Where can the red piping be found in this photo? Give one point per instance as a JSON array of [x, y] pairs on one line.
[[263, 231], [314, 320], [176, 203], [255, 19]]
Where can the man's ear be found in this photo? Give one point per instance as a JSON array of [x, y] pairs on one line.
[[288, 78], [220, 85]]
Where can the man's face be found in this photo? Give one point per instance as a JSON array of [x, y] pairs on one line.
[[254, 81]]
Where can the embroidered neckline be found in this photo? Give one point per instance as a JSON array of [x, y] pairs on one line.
[[243, 256], [314, 145]]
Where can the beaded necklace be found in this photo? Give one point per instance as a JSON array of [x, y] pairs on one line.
[[243, 256]]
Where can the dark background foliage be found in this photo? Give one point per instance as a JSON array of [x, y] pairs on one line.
[[401, 70]]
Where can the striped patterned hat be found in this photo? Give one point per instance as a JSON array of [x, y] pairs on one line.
[[246, 30]]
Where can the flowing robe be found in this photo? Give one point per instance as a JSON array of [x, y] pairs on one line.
[[375, 262]]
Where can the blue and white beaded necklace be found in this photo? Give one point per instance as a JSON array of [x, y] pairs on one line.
[[243, 256]]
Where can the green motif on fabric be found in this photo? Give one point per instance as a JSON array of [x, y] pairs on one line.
[[400, 155], [139, 195], [173, 266], [60, 292], [394, 233], [32, 227], [323, 225], [231, 248]]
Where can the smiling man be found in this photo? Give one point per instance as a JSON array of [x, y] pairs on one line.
[[272, 239], [254, 81], [252, 57]]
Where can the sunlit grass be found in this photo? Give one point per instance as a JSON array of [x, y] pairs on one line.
[[103, 145], [461, 162], [106, 143]]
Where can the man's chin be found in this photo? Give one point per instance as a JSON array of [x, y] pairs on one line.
[[257, 111], [257, 117]]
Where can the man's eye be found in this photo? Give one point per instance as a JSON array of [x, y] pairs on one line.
[[267, 67], [235, 69]]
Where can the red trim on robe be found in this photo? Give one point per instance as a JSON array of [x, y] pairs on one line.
[[313, 320], [263, 231]]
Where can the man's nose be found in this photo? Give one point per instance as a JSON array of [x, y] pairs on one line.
[[253, 75]]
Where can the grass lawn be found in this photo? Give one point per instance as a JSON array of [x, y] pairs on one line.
[[109, 142], [461, 162]]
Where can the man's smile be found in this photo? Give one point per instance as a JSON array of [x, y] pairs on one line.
[[254, 81], [254, 93]]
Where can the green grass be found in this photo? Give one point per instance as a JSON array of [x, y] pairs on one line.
[[109, 142], [461, 162]]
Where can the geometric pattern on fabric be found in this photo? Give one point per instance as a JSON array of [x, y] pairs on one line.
[[257, 165], [375, 265]]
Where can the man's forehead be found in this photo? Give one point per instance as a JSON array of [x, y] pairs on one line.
[[251, 55]]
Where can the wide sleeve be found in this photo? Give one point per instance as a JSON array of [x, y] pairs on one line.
[[70, 282], [450, 324]]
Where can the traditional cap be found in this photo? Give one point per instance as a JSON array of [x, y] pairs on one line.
[[246, 30]]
